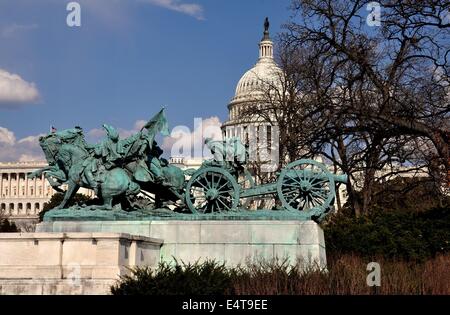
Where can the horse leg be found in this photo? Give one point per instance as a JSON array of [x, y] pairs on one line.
[[71, 191], [55, 185], [177, 194], [158, 201], [107, 203]]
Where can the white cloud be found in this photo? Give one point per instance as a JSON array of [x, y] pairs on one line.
[[14, 89], [6, 137], [184, 142], [193, 9], [13, 29], [30, 157], [97, 134], [31, 141], [117, 12], [25, 149], [190, 142]]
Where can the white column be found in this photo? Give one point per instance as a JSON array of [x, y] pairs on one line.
[[26, 185], [35, 186], [1, 185], [9, 184], [44, 187], [41, 194], [18, 184]]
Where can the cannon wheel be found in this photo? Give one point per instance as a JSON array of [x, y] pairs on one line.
[[212, 190], [306, 185]]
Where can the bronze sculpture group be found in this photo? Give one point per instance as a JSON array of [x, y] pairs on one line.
[[130, 174]]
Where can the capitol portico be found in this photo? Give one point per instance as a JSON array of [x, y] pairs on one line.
[[22, 197]]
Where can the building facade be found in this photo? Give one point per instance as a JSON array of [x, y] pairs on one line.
[[186, 163], [22, 198], [259, 135]]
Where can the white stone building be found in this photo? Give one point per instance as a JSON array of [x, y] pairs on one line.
[[253, 131], [21, 198], [185, 162]]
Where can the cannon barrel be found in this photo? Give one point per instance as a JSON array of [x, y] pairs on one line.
[[340, 178], [337, 178]]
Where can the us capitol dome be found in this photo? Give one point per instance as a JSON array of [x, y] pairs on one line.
[[250, 89]]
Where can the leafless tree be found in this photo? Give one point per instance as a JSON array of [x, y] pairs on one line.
[[368, 98]]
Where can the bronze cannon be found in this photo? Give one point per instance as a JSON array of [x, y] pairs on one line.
[[304, 186]]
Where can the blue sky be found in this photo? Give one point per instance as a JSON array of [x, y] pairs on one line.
[[128, 58]]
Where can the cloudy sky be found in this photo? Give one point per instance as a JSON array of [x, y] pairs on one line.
[[128, 58]]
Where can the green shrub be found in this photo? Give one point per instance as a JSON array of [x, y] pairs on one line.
[[208, 278], [6, 226], [410, 236], [345, 274]]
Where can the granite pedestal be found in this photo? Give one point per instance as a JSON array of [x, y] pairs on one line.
[[231, 242], [71, 263], [87, 257]]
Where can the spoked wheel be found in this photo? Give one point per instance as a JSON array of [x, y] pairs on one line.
[[212, 190], [306, 185]]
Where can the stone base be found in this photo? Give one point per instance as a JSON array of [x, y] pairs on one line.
[[88, 257], [71, 263], [56, 287], [232, 242]]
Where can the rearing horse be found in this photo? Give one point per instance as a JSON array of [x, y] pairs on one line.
[[116, 181]]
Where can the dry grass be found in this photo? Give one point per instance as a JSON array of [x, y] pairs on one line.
[[345, 275]]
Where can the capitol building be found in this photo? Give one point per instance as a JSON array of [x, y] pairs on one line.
[[253, 131], [249, 90], [21, 198]]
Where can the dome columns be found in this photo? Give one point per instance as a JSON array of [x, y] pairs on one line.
[[266, 49]]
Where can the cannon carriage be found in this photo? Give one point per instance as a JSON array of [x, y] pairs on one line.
[[303, 187]]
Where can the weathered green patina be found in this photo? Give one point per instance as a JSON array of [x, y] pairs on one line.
[[133, 182]]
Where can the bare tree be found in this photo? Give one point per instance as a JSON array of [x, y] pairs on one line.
[[366, 98]]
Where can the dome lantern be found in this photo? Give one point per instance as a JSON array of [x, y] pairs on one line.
[[266, 44]]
